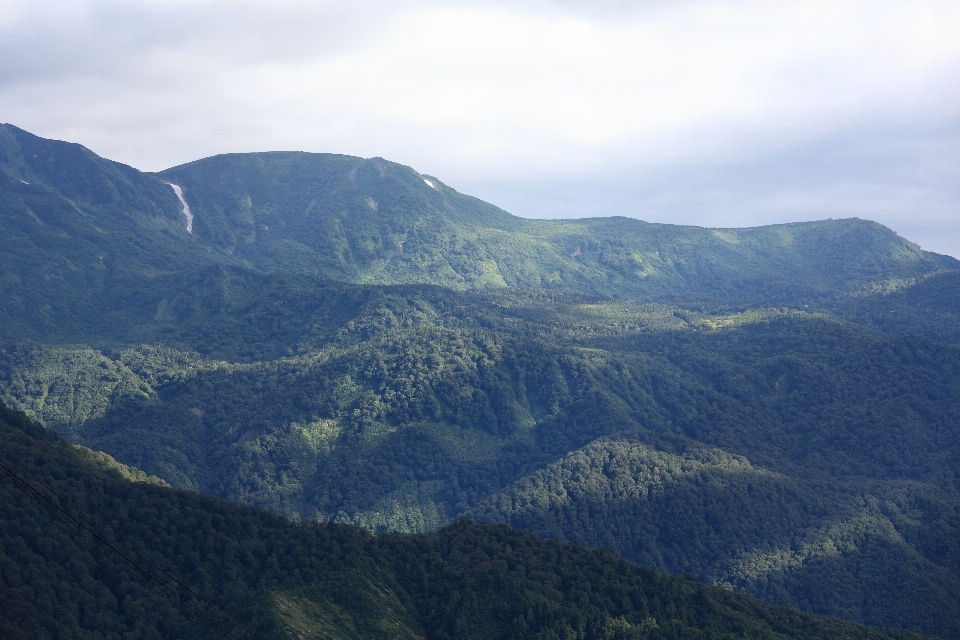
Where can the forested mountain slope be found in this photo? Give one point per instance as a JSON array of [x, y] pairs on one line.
[[247, 573], [775, 453], [774, 409], [78, 231], [96, 250], [930, 307], [373, 221]]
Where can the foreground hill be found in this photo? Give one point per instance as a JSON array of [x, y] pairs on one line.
[[244, 572]]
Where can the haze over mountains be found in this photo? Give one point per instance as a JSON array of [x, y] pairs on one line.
[[774, 410]]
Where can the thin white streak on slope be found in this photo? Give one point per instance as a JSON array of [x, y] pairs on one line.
[[186, 208]]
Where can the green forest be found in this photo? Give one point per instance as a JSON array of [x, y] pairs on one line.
[[206, 568], [771, 411]]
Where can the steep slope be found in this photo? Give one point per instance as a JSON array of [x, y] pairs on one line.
[[373, 221], [246, 572], [79, 232], [95, 250]]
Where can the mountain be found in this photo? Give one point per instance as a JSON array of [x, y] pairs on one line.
[[81, 233], [773, 410], [152, 562], [96, 250], [377, 222]]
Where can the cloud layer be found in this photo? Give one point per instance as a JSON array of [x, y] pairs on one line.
[[731, 113]]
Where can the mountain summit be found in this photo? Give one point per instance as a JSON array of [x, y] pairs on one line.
[[377, 222]]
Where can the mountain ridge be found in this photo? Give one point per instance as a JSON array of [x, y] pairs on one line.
[[390, 353], [383, 224]]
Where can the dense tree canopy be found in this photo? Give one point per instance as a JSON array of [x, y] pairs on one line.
[[253, 573], [772, 410]]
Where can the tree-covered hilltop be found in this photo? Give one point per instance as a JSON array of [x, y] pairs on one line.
[[96, 252], [373, 221], [198, 567]]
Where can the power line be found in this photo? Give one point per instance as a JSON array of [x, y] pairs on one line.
[[13, 476]]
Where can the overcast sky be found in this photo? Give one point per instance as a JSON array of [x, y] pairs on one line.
[[725, 114]]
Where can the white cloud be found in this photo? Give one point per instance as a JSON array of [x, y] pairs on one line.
[[499, 99]]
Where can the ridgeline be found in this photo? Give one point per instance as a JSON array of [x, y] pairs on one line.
[[347, 342]]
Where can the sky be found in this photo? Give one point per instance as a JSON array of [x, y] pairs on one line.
[[725, 113]]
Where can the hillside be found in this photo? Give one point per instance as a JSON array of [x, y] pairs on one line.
[[774, 454], [242, 571], [377, 222], [773, 410], [97, 251], [81, 234]]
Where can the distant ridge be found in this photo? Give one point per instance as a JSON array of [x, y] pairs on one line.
[[377, 222]]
